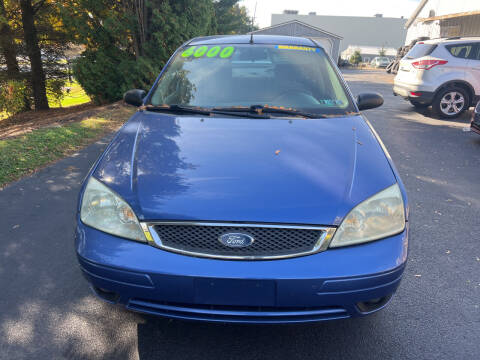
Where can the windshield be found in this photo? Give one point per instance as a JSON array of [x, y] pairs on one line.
[[225, 75]]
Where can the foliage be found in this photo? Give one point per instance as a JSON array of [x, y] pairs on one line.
[[232, 18], [12, 96], [53, 42], [127, 42], [73, 94], [356, 58], [55, 90]]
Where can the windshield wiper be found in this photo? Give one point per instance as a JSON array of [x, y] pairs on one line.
[[265, 109], [204, 111], [179, 108]]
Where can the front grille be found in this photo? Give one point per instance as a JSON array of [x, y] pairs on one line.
[[203, 240]]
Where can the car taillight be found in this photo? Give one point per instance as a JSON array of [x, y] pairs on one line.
[[428, 64]]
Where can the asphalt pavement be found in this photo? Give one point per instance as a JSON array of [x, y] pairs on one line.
[[48, 312]]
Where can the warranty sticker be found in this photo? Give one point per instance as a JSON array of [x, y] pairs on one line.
[[292, 47]]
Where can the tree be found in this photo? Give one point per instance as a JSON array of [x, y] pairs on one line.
[[7, 44], [382, 51], [127, 42], [38, 80], [356, 58], [232, 18], [32, 46]]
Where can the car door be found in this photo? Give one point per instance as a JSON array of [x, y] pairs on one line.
[[473, 70]]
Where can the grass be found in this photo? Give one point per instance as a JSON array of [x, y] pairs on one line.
[[76, 96], [23, 155]]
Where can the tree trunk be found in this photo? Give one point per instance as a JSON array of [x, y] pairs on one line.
[[7, 44], [35, 55]]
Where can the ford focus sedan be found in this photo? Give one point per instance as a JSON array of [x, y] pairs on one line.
[[248, 187]]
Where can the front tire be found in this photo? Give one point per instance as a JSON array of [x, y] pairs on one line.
[[451, 102]]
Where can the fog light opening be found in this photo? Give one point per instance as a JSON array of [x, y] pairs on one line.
[[373, 304], [106, 295]]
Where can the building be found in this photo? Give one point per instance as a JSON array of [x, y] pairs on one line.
[[375, 31], [442, 18], [368, 52], [329, 41]]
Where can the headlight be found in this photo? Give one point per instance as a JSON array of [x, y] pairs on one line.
[[104, 210], [378, 217]]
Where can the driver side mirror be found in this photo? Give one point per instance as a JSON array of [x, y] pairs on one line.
[[134, 97], [367, 101]]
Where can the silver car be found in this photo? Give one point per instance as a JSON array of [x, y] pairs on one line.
[[380, 62], [444, 73]]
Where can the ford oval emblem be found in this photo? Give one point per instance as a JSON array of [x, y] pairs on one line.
[[236, 240]]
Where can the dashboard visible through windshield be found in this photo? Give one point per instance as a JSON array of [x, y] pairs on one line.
[[231, 75]]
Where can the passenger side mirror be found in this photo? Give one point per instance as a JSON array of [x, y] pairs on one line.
[[367, 101], [134, 97]]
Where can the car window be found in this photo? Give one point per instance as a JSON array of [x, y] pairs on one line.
[[462, 51], [243, 75], [419, 50], [476, 52]]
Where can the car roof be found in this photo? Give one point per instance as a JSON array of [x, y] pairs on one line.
[[453, 40], [257, 39]]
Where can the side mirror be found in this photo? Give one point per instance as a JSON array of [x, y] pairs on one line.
[[367, 101], [134, 97]]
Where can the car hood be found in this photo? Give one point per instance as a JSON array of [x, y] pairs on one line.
[[302, 171]]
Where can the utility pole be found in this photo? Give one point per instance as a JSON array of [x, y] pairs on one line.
[[253, 18]]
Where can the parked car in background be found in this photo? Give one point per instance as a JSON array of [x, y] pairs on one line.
[[343, 63], [380, 62], [444, 73], [475, 125], [209, 206]]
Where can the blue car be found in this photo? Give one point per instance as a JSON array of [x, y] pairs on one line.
[[248, 187]]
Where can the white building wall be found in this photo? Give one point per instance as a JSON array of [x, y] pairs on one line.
[[355, 30], [438, 8], [445, 7]]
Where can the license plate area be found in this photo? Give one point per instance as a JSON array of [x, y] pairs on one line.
[[235, 292]]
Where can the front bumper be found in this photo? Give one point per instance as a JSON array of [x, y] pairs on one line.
[[334, 284]]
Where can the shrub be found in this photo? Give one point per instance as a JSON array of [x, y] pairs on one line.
[[55, 90], [356, 58], [105, 74], [14, 96]]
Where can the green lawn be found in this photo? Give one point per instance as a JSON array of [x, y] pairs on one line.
[[23, 155], [76, 96]]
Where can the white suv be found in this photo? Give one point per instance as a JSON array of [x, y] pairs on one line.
[[444, 73]]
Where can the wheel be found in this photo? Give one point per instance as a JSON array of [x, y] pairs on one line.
[[451, 102], [418, 104]]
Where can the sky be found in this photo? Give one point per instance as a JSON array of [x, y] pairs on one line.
[[389, 8]]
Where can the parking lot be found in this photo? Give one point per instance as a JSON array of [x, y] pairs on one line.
[[48, 312]]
